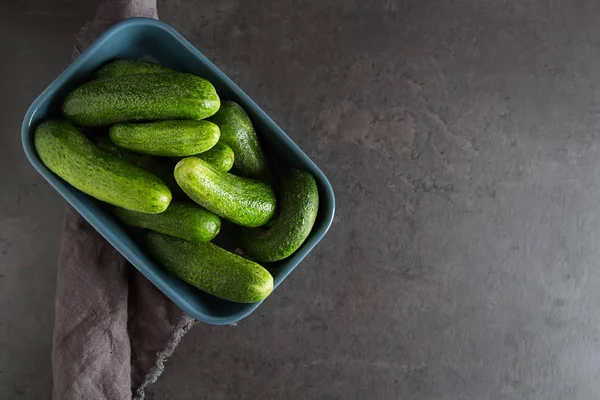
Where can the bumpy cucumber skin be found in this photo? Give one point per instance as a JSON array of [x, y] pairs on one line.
[[141, 97], [128, 67], [105, 144], [184, 220], [243, 201], [166, 138], [299, 205], [211, 269], [221, 156], [106, 177], [238, 133], [160, 168]]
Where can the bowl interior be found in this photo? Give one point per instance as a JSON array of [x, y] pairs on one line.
[[156, 41]]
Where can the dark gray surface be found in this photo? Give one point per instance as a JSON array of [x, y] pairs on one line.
[[461, 140], [36, 39]]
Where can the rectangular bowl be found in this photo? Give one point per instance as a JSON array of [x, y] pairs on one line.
[[150, 39]]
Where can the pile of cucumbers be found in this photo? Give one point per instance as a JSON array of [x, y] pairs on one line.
[[163, 158]]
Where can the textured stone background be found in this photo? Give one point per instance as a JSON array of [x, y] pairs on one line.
[[461, 139]]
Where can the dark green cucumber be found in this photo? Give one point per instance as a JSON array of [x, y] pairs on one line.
[[184, 220], [243, 201], [239, 134], [161, 168], [141, 160], [141, 97], [212, 269], [70, 155], [128, 67], [166, 138], [298, 210]]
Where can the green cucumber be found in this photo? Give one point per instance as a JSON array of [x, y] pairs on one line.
[[297, 214], [161, 168], [184, 220], [166, 138], [239, 134], [211, 269], [144, 161], [140, 97], [128, 67], [70, 155], [240, 200], [221, 156]]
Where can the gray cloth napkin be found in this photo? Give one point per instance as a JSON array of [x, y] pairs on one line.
[[113, 329]]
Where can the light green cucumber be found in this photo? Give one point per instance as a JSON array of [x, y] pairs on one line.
[[166, 138], [141, 97], [211, 268], [221, 156], [298, 210], [184, 220], [106, 177], [243, 201], [128, 67], [238, 133], [163, 168]]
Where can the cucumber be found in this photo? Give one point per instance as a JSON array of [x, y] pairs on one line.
[[128, 67], [211, 269], [161, 168], [139, 97], [221, 156], [166, 138], [144, 161], [297, 214], [184, 220], [106, 177], [240, 200], [239, 134]]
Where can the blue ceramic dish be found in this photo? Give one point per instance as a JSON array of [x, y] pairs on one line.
[[154, 40]]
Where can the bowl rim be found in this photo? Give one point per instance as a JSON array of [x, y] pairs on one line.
[[65, 190]]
